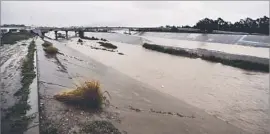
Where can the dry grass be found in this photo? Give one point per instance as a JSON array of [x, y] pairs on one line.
[[80, 41], [51, 50], [47, 44], [103, 39], [87, 94]]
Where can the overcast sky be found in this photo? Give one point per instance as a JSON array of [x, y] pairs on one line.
[[127, 13]]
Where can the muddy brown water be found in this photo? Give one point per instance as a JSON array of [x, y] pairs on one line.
[[234, 95], [231, 94], [137, 108]]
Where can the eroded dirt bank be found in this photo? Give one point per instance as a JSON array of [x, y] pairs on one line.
[[135, 107]]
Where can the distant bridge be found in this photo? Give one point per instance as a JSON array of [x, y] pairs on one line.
[[89, 29], [80, 30]]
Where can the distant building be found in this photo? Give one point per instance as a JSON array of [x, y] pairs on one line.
[[15, 29]]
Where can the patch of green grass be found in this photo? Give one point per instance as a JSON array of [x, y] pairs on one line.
[[100, 127], [88, 94], [12, 38], [238, 63], [170, 50], [107, 45], [15, 120]]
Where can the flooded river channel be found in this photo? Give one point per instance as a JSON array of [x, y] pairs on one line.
[[238, 96]]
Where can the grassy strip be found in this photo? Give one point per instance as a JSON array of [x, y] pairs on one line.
[[247, 65], [12, 38], [169, 50], [16, 121], [93, 38], [107, 45], [90, 38]]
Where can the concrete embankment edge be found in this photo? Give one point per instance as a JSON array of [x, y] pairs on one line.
[[33, 126]]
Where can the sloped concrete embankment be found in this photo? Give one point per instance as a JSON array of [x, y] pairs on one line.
[[240, 61], [135, 108], [19, 102], [245, 40]]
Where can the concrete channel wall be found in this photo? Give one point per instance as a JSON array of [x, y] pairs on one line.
[[245, 40]]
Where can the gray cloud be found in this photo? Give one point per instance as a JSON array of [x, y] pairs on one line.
[[127, 13]]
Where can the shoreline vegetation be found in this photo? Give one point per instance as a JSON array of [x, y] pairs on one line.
[[15, 120], [107, 45], [92, 38], [247, 65], [259, 26]]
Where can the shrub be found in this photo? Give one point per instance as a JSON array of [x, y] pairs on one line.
[[87, 94], [107, 45], [47, 44], [92, 38], [50, 50], [103, 39], [79, 40]]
